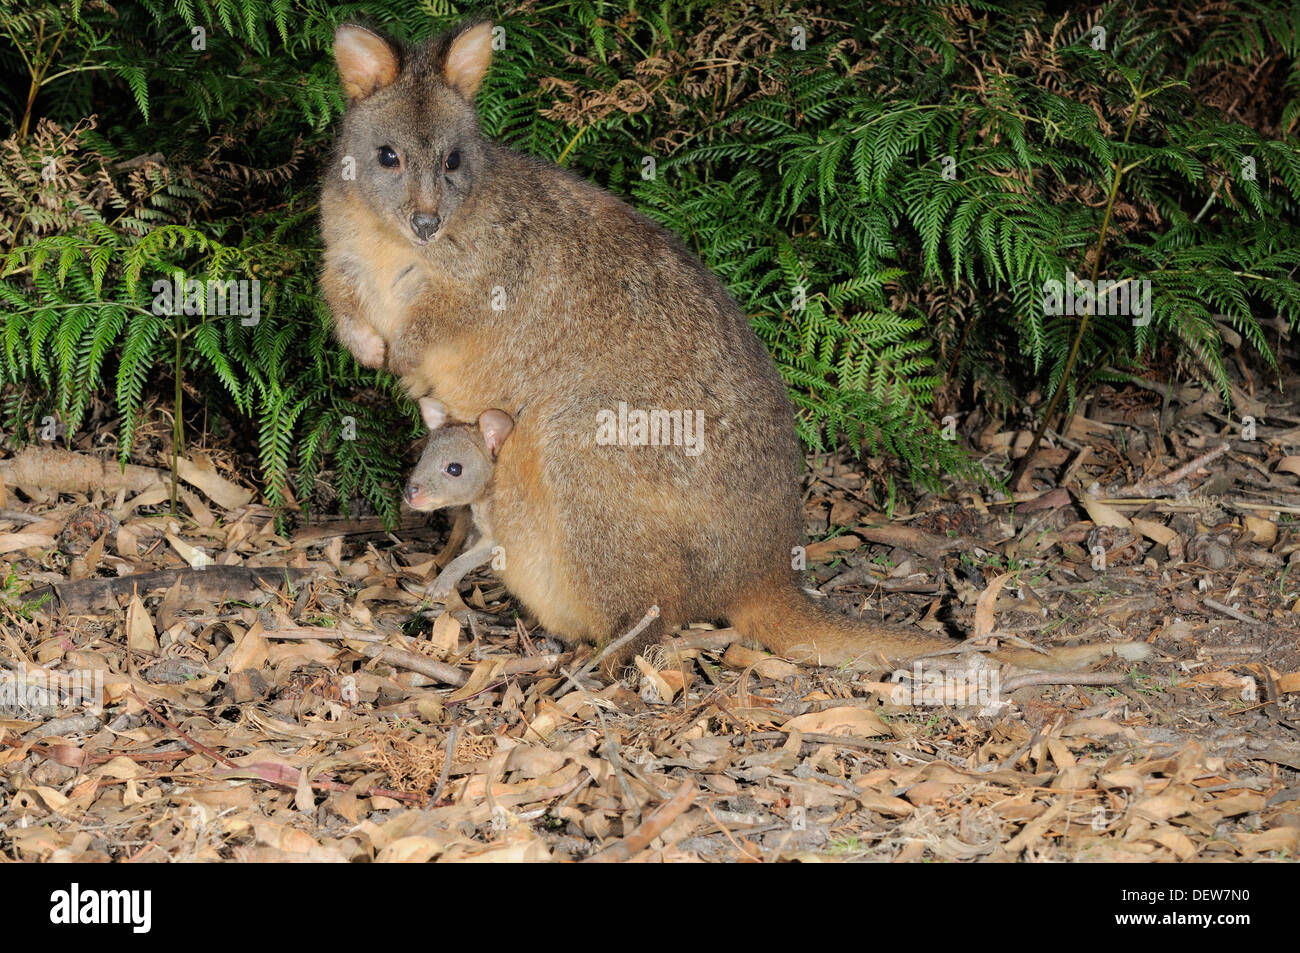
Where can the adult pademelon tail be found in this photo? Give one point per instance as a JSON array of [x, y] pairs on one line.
[[485, 279]]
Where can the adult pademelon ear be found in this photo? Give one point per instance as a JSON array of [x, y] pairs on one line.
[[367, 62], [495, 425], [467, 59]]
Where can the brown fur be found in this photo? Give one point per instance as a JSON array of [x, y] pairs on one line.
[[602, 306]]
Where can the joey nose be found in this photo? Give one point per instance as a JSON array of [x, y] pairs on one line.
[[424, 224], [411, 492]]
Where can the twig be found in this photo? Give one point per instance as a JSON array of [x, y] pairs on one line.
[[1262, 507], [1017, 640], [654, 825], [1209, 201], [844, 741], [17, 516], [726, 833], [446, 769], [409, 524], [651, 614], [214, 755], [89, 758], [1229, 611], [1102, 709], [1249, 784], [306, 632], [534, 663], [1270, 706], [1025, 462], [1150, 487]]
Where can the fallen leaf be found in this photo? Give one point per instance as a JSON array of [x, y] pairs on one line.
[[195, 557], [1289, 465], [985, 617], [1103, 514], [823, 549], [140, 636], [14, 542], [199, 472], [1265, 531], [252, 651], [445, 636], [1152, 530], [847, 721]]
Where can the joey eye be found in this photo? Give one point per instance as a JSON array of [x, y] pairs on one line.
[[388, 157], [452, 162], [454, 469]]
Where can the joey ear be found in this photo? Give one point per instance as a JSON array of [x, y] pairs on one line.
[[433, 411], [367, 62], [495, 426], [467, 60]]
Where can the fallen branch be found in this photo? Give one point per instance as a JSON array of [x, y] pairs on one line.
[[1165, 485], [912, 539], [55, 470], [214, 583], [438, 671], [1062, 678], [711, 640], [71, 756], [366, 527]]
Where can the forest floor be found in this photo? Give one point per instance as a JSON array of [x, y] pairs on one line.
[[300, 699]]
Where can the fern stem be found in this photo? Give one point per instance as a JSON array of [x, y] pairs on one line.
[[569, 148], [38, 76], [35, 86], [1063, 383]]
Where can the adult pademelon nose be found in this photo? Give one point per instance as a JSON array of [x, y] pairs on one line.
[[411, 492], [424, 224]]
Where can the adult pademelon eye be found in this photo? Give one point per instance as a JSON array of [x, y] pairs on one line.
[[454, 469], [388, 157], [452, 161]]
